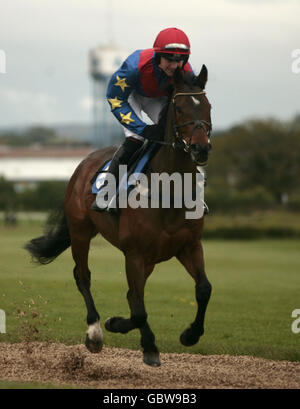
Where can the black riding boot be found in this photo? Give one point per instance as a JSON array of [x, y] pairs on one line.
[[206, 208], [121, 157]]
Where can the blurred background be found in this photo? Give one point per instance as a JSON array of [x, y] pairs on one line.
[[56, 59]]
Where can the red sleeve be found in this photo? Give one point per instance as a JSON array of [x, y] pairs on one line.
[[188, 68]]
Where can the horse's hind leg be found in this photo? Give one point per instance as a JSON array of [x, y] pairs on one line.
[[137, 275], [80, 243], [192, 259]]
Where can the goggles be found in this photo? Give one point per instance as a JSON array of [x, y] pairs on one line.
[[175, 52], [174, 57]]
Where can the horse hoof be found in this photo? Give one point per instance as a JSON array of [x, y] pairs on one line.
[[92, 346], [152, 358], [118, 324], [188, 338], [109, 324]]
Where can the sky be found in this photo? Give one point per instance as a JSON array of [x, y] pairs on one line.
[[248, 47]]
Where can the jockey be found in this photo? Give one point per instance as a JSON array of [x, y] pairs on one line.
[[140, 84]]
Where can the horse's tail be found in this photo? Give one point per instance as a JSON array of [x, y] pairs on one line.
[[56, 239]]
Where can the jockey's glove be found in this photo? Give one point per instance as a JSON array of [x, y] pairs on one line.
[[154, 132]]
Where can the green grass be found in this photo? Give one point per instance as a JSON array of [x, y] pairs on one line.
[[255, 289]]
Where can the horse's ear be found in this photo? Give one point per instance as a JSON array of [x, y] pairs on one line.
[[202, 77]]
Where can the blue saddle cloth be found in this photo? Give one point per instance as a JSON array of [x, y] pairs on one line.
[[137, 167]]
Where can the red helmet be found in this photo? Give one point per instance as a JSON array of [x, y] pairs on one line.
[[172, 41]]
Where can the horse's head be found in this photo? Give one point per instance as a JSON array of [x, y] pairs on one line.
[[191, 115]]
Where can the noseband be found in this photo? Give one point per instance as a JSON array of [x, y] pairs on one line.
[[180, 143], [198, 123]]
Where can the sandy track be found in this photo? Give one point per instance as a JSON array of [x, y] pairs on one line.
[[120, 368]]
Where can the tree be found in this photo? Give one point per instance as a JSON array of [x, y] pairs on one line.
[[7, 195], [40, 134], [259, 154], [46, 196]]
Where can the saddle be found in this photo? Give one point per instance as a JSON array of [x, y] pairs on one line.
[[138, 164]]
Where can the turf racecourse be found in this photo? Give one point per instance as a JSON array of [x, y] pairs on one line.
[[255, 289]]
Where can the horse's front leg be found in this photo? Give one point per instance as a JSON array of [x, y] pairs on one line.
[[137, 274], [193, 260]]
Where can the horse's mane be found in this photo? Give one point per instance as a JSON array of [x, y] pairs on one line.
[[189, 79]]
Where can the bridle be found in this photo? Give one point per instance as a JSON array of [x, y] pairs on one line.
[[179, 142], [198, 123]]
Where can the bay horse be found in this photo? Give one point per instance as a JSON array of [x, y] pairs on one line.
[[146, 236]]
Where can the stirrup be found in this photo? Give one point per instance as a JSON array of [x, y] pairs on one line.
[[106, 207], [206, 209], [96, 208], [112, 208]]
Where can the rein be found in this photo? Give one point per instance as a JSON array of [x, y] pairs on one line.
[[198, 123]]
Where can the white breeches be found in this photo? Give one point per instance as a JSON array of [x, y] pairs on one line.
[[151, 106]]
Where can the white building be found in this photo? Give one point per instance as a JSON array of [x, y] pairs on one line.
[[104, 60], [30, 166]]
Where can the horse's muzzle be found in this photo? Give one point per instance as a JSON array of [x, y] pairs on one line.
[[199, 153]]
